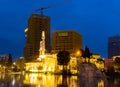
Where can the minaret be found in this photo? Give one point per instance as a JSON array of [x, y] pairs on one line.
[[42, 46], [43, 43]]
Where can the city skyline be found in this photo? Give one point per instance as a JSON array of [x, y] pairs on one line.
[[94, 20]]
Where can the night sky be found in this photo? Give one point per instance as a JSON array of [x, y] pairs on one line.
[[95, 20]]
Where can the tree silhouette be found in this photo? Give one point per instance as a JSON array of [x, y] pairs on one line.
[[100, 60], [20, 63], [117, 62], [9, 62], [86, 53], [63, 58]]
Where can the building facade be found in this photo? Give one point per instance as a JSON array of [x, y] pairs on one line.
[[5, 62], [36, 24], [113, 46], [68, 40]]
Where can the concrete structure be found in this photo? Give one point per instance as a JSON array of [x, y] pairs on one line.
[[113, 46], [68, 40], [36, 24], [89, 70]]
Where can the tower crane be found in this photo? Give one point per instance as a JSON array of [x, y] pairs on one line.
[[53, 5]]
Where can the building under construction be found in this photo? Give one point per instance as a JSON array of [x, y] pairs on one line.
[[36, 24]]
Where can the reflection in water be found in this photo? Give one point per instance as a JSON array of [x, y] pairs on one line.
[[39, 80], [50, 80], [101, 83], [91, 82], [117, 82]]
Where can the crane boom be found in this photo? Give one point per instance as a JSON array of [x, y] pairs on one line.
[[54, 5]]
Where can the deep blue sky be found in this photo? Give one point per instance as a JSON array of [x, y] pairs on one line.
[[96, 20]]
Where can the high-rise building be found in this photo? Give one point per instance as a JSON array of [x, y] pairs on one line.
[[36, 24], [113, 46], [68, 40]]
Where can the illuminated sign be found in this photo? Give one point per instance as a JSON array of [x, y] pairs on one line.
[[63, 34]]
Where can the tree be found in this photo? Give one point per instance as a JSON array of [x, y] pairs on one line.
[[63, 58], [117, 63], [9, 62], [20, 63], [86, 53], [100, 60]]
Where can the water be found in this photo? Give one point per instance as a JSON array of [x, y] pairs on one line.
[[50, 80]]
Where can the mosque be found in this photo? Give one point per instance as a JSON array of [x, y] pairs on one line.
[[48, 62]]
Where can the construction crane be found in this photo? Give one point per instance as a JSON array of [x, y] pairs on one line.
[[54, 5], [41, 10]]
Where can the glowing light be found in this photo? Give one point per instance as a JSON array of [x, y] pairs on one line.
[[14, 63], [42, 56], [43, 35], [26, 30], [101, 83], [13, 82], [78, 52], [39, 59]]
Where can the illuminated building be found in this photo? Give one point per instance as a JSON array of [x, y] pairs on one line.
[[96, 59], [45, 62], [73, 65], [114, 57], [113, 46], [68, 40], [36, 24]]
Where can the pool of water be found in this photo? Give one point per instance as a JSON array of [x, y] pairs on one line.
[[51, 80]]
